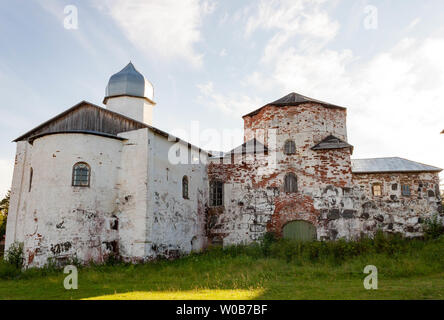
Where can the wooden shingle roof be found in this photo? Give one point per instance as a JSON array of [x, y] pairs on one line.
[[332, 142], [86, 117]]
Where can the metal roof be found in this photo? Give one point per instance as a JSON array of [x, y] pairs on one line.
[[294, 99], [129, 82], [392, 164], [332, 142]]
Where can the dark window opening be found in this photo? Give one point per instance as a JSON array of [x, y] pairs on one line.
[[405, 190], [289, 147], [216, 193], [185, 187], [114, 224], [31, 172], [290, 183], [394, 186], [81, 175]]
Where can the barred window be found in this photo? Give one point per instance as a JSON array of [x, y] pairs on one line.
[[216, 193], [290, 183], [81, 173], [289, 147], [185, 187], [405, 189], [377, 190]]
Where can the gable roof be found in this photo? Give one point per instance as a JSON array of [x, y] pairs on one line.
[[390, 164], [293, 99], [251, 146], [86, 117], [332, 142]]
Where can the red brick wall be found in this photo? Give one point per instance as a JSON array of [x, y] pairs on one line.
[[337, 202], [261, 180]]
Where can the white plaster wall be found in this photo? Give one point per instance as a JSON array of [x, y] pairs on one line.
[[178, 224], [133, 207], [19, 176], [55, 219], [135, 108], [133, 195]]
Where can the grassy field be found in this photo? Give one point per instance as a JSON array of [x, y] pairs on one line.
[[282, 270]]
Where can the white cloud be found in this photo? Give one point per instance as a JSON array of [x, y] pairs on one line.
[[235, 105], [208, 7], [6, 169], [290, 18], [414, 23], [394, 99], [165, 28]]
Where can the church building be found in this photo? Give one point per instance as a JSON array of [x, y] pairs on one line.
[[95, 182]]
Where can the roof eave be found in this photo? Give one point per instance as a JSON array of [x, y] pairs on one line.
[[163, 133], [326, 105], [397, 171], [50, 120], [105, 100]]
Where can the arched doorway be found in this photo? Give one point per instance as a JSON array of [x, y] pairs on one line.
[[299, 230]]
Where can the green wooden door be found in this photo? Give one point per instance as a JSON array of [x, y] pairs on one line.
[[299, 230]]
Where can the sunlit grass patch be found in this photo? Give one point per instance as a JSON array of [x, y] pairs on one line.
[[204, 294], [407, 269]]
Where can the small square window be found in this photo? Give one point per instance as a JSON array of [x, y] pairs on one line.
[[289, 147], [405, 189], [394, 186], [377, 190]]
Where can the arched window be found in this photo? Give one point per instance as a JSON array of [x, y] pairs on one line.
[[290, 183], [81, 173], [185, 187], [289, 147]]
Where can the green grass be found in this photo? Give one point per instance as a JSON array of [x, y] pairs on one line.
[[277, 270]]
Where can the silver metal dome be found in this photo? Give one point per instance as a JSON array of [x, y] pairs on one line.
[[129, 82]]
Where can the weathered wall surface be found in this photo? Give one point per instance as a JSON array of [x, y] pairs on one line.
[[305, 123], [177, 224], [132, 195], [133, 208], [254, 197], [54, 219], [254, 204], [394, 212], [338, 203]]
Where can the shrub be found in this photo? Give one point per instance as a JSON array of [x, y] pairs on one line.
[[433, 227], [112, 260], [14, 255], [267, 240], [8, 271]]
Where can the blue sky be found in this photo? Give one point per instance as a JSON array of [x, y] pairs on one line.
[[213, 61]]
